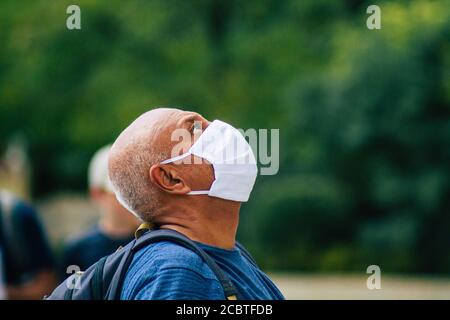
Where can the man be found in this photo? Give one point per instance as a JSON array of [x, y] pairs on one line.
[[26, 262], [197, 196], [115, 228]]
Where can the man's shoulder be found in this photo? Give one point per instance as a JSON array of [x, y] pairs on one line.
[[169, 255], [166, 270]]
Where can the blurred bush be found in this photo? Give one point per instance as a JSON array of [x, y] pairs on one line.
[[364, 115]]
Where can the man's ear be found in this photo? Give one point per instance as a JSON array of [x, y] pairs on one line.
[[167, 178]]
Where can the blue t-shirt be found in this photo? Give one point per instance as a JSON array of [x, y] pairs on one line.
[[167, 271], [89, 247]]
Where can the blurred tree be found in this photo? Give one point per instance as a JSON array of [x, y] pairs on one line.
[[364, 115]]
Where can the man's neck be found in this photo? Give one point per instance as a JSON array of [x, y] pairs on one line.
[[213, 224]]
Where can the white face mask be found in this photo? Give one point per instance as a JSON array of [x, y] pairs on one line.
[[234, 164]]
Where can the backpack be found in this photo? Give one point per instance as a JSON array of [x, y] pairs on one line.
[[103, 280]]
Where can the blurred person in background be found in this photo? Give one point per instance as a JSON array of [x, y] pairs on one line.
[[26, 262], [115, 228]]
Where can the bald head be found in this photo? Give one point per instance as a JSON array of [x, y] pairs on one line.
[[134, 162]]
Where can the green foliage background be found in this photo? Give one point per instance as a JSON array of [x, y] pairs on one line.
[[364, 116]]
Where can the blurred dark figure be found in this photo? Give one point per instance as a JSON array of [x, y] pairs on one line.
[[26, 262], [115, 228]]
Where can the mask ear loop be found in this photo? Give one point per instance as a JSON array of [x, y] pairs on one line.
[[180, 157], [197, 192]]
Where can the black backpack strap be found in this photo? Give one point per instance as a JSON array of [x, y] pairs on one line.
[[68, 294], [174, 236], [97, 280], [246, 254], [115, 288]]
